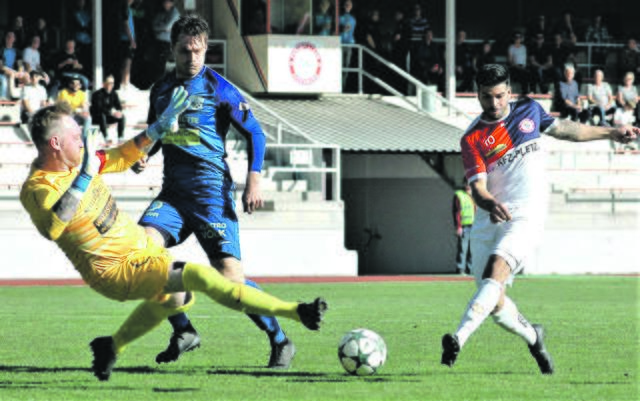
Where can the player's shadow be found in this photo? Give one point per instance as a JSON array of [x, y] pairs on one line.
[[309, 377]]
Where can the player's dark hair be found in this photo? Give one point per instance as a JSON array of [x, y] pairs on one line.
[[191, 25], [492, 75], [44, 119]]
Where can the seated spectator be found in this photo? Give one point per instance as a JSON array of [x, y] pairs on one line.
[[568, 97], [31, 55], [9, 55], [429, 63], [18, 79], [486, 56], [629, 60], [77, 99], [628, 99], [106, 108], [541, 64], [34, 96], [464, 63], [558, 52], [601, 99], [517, 63], [68, 66], [598, 34], [323, 20]]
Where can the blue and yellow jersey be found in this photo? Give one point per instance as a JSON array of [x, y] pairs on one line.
[[98, 237], [194, 157]]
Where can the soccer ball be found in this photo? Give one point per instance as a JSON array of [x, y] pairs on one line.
[[362, 352]]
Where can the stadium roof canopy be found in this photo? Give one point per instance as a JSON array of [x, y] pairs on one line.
[[366, 124]]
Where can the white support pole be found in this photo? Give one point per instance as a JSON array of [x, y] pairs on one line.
[[450, 62], [97, 44]]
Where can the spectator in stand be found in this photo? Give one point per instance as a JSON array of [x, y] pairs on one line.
[[31, 55], [418, 24], [464, 63], [77, 99], [162, 23], [558, 53], [42, 32], [517, 63], [629, 60], [34, 96], [68, 66], [80, 20], [9, 56], [601, 99], [572, 51], [429, 62], [323, 20], [106, 109], [598, 34], [347, 28], [127, 43], [372, 37], [18, 79], [628, 99], [541, 64], [539, 25], [566, 27], [400, 40], [21, 33], [485, 56], [568, 97]]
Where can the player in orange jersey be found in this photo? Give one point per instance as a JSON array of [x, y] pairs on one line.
[[114, 256]]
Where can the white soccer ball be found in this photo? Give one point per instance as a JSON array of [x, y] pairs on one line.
[[362, 352]]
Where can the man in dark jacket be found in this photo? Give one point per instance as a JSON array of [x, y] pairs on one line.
[[107, 109]]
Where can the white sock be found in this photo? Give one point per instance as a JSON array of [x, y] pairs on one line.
[[482, 303], [511, 320]]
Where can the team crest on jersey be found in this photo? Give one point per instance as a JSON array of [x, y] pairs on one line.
[[197, 102], [527, 126]]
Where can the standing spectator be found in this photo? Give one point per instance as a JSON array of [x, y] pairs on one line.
[[541, 64], [485, 56], [68, 66], [464, 63], [517, 62], [464, 211], [42, 31], [81, 30], [347, 28], [539, 25], [629, 60], [566, 26], [9, 56], [598, 34], [372, 36], [31, 55], [34, 96], [162, 23], [127, 43], [21, 33], [106, 109], [323, 20], [568, 97], [628, 98], [418, 24], [601, 98], [77, 99], [400, 40], [429, 64]]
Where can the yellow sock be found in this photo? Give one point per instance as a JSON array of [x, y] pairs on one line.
[[147, 316], [236, 296]]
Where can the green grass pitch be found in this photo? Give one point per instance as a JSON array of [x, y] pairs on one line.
[[591, 322]]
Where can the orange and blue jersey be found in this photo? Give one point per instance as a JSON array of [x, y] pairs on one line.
[[508, 153]]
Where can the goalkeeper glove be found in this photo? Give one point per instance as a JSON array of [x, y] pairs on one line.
[[168, 120]]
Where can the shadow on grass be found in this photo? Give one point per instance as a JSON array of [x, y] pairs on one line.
[[312, 377]]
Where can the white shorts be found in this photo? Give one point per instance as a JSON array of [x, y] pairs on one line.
[[515, 241]]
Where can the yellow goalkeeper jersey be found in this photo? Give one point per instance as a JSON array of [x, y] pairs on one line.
[[98, 237]]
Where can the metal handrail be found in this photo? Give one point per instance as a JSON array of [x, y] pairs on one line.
[[420, 86]]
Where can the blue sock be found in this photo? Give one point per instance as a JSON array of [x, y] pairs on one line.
[[179, 321], [267, 323]]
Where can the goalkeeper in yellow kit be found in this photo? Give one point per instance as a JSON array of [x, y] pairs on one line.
[[114, 256]]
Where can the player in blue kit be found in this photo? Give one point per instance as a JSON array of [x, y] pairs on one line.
[[197, 191]]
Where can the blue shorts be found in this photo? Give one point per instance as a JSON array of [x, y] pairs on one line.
[[214, 223]]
